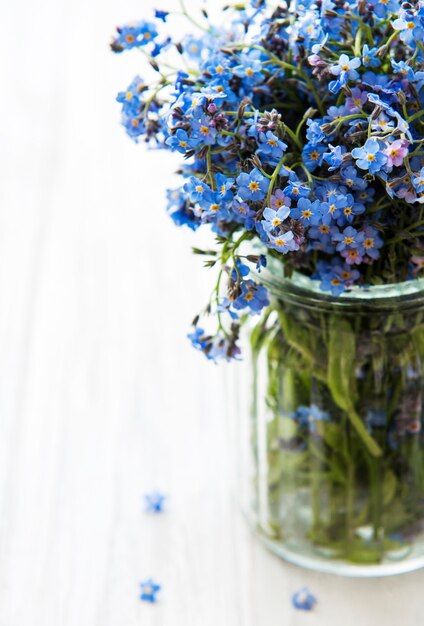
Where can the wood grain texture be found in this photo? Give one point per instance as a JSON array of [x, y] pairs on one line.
[[101, 397]]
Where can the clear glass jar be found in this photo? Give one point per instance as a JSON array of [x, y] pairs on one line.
[[336, 480]]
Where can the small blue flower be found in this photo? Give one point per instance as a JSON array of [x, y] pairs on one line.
[[224, 186], [296, 190], [273, 219], [382, 7], [154, 502], [192, 47], [335, 276], [180, 141], [199, 339], [244, 212], [349, 238], [252, 186], [372, 242], [347, 65], [261, 262], [369, 56], [203, 130], [402, 68], [303, 600], [284, 242], [352, 179], [312, 155], [250, 69], [332, 209], [344, 69], [134, 35], [309, 415], [160, 45], [350, 210], [370, 156], [130, 98], [196, 189], [307, 212], [271, 146], [241, 270], [335, 157], [149, 590], [410, 26], [179, 209], [217, 66], [133, 124], [314, 133], [161, 15], [418, 181], [253, 296]]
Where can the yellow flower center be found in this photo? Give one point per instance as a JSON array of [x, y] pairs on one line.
[[253, 185]]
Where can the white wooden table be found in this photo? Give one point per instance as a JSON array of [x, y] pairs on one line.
[[101, 397]]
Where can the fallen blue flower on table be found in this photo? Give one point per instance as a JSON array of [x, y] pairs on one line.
[[154, 502], [304, 600], [149, 589]]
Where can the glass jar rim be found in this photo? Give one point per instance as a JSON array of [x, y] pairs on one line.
[[306, 291]]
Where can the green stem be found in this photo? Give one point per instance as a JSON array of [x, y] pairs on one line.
[[191, 19], [274, 179]]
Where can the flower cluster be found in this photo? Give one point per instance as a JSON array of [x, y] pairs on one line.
[[302, 130]]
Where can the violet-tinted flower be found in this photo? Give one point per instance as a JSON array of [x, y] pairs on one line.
[[396, 152]]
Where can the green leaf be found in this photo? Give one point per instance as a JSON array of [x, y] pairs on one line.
[[389, 487], [285, 463], [259, 335], [287, 428], [331, 433], [341, 377], [418, 340], [300, 338]]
